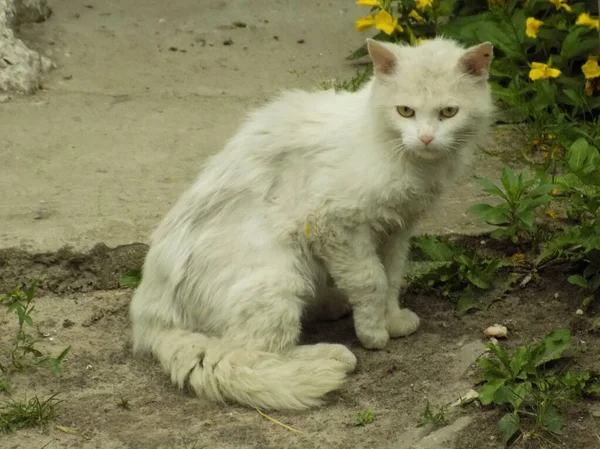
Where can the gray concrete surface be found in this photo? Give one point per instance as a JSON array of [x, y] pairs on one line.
[[143, 92]]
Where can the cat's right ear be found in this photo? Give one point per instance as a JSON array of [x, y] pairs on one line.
[[384, 60]]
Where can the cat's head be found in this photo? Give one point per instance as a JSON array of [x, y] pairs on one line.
[[434, 98]]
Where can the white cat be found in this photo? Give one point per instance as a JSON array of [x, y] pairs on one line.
[[313, 185]]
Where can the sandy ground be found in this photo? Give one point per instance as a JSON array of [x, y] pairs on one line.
[[435, 365], [143, 92]]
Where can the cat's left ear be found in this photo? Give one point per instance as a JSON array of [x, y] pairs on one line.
[[477, 60]]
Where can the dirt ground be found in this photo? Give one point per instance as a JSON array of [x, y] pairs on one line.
[[143, 92], [435, 364]]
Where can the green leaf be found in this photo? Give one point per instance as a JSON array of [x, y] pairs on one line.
[[479, 280], [479, 209], [536, 202], [578, 153], [551, 347], [491, 368], [513, 394], [542, 189], [552, 421], [500, 233], [518, 360], [131, 279], [519, 394], [492, 188], [465, 303], [63, 354], [508, 426], [488, 391], [434, 249], [579, 42], [576, 99], [579, 280], [27, 319], [509, 181], [499, 352], [499, 215], [31, 291]]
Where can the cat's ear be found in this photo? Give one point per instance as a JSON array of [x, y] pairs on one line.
[[477, 60], [384, 60]]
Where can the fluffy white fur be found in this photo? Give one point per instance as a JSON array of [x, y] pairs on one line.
[[314, 186]]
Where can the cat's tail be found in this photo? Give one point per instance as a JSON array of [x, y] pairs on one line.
[[294, 380]]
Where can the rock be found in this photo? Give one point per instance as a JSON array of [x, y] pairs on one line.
[[32, 11], [444, 437], [21, 69], [465, 399], [496, 331]]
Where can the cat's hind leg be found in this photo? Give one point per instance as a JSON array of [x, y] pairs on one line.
[[329, 304]]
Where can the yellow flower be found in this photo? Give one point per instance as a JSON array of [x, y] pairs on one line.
[[554, 192], [561, 4], [422, 4], [518, 258], [415, 15], [541, 71], [382, 21], [551, 213], [364, 23], [367, 3], [532, 27], [590, 68], [586, 21]]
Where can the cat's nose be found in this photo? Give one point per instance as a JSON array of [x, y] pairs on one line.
[[426, 139]]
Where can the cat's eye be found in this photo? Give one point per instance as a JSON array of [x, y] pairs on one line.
[[448, 112], [405, 111]]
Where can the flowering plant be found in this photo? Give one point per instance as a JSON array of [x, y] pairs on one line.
[[546, 51]]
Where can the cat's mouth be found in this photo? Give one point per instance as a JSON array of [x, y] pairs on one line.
[[429, 152]]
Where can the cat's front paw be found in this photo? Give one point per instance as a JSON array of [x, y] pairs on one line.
[[401, 322], [373, 338]]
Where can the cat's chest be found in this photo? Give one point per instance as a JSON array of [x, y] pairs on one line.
[[402, 207]]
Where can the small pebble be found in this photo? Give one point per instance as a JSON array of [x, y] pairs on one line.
[[300, 41], [228, 42], [496, 331]]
